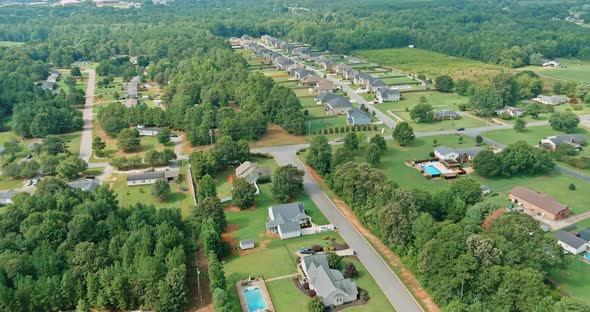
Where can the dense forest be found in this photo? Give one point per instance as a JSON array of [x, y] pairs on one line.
[[62, 249]]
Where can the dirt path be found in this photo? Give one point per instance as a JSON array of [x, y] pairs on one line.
[[407, 277]]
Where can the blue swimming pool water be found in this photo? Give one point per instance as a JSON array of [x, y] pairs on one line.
[[587, 256], [433, 171], [254, 299]]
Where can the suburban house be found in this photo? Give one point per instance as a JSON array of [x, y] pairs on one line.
[[251, 172], [147, 131], [311, 80], [132, 87], [341, 68], [246, 244], [283, 63], [6, 196], [362, 78], [48, 85], [334, 104], [575, 140], [324, 86], [451, 155], [550, 100], [351, 73], [375, 84], [85, 185], [542, 204], [151, 177], [300, 73], [387, 95], [550, 63], [571, 243], [326, 64], [357, 117], [329, 284], [485, 190], [446, 115], [510, 111], [294, 66], [287, 220]]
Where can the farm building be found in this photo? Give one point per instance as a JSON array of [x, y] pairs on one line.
[[541, 204]]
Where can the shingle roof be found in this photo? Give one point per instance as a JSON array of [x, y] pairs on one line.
[[444, 150], [84, 185], [446, 113], [471, 151], [286, 213], [570, 239], [355, 112], [152, 175], [325, 280], [567, 138], [388, 93], [585, 234], [339, 101], [4, 195], [542, 201]]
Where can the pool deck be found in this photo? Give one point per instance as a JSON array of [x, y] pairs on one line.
[[257, 282]]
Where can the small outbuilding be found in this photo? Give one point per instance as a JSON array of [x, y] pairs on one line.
[[246, 244]]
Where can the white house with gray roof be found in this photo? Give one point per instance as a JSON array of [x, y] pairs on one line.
[[387, 95], [450, 154], [571, 243], [151, 177], [84, 185], [334, 104], [287, 220], [445, 115], [329, 284], [357, 117], [251, 172], [550, 100], [575, 140]]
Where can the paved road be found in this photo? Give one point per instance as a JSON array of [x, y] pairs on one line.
[[86, 142], [390, 284]]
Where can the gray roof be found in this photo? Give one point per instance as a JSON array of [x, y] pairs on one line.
[[388, 93], [84, 185], [567, 138], [246, 243], [4, 195], [289, 227], [570, 239], [444, 150], [152, 175], [485, 188], [327, 281], [150, 129], [355, 113], [446, 113], [585, 234], [375, 82], [471, 151], [48, 85], [554, 99], [286, 213], [339, 101]]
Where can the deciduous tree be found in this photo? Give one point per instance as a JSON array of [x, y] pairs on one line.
[[243, 193], [161, 189], [287, 183], [403, 133]]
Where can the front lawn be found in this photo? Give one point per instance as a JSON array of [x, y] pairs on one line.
[[574, 279], [465, 121]]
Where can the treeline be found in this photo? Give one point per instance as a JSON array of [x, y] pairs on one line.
[[64, 249], [464, 264]]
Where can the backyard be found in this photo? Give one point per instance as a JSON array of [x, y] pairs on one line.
[[573, 280]]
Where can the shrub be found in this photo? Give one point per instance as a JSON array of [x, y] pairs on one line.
[[364, 295], [317, 248], [431, 154], [306, 285], [336, 130], [350, 270], [325, 237], [325, 131], [329, 248], [331, 130], [572, 187], [312, 293], [347, 129], [263, 180], [342, 130]]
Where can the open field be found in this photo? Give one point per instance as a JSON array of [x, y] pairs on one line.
[[428, 63], [10, 43], [555, 184], [572, 69], [131, 195], [573, 280]]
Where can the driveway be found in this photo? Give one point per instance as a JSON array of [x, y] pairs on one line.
[[87, 115], [390, 284]]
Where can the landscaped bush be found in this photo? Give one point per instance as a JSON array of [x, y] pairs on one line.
[[365, 295], [431, 154], [331, 130], [306, 285], [311, 293], [317, 248], [263, 180], [582, 162], [572, 187]]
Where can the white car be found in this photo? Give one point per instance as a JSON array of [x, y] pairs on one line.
[[29, 183], [35, 181]]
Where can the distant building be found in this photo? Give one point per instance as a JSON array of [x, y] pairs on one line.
[[132, 88], [448, 154], [446, 115], [575, 140], [550, 63], [324, 86], [357, 117], [387, 95], [246, 244], [287, 220], [513, 112], [147, 131], [571, 243], [85, 185], [541, 204], [150, 177], [551, 100], [485, 190], [334, 104], [251, 172]]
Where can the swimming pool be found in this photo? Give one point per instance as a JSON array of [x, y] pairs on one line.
[[587, 256], [254, 299], [431, 170]]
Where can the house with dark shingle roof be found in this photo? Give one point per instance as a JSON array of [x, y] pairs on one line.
[[329, 284], [541, 204], [575, 140], [375, 84], [84, 185], [571, 243], [287, 220], [301, 73], [445, 115], [151, 177], [334, 104], [6, 196], [357, 117], [387, 95], [251, 172]]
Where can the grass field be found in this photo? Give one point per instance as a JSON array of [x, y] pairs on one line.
[[428, 63], [571, 69], [10, 43], [574, 278], [555, 184], [131, 195]]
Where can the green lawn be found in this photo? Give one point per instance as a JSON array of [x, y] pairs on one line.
[[114, 86], [398, 80], [431, 64], [315, 125], [10, 43], [571, 69], [308, 101], [437, 99], [303, 92], [80, 84], [574, 279], [464, 122], [130, 195]]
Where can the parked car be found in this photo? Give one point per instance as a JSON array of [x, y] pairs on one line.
[[173, 135], [29, 156], [306, 251], [89, 178], [35, 181], [339, 140], [460, 129], [29, 183]]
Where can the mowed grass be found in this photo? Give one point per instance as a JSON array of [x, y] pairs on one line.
[[574, 279], [554, 184], [431, 64], [130, 195], [10, 44], [570, 69]]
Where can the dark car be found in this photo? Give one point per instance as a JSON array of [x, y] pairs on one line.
[[173, 135], [29, 156], [306, 251], [460, 129], [89, 177]]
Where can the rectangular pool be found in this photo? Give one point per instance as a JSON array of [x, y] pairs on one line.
[[254, 299], [432, 170]]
